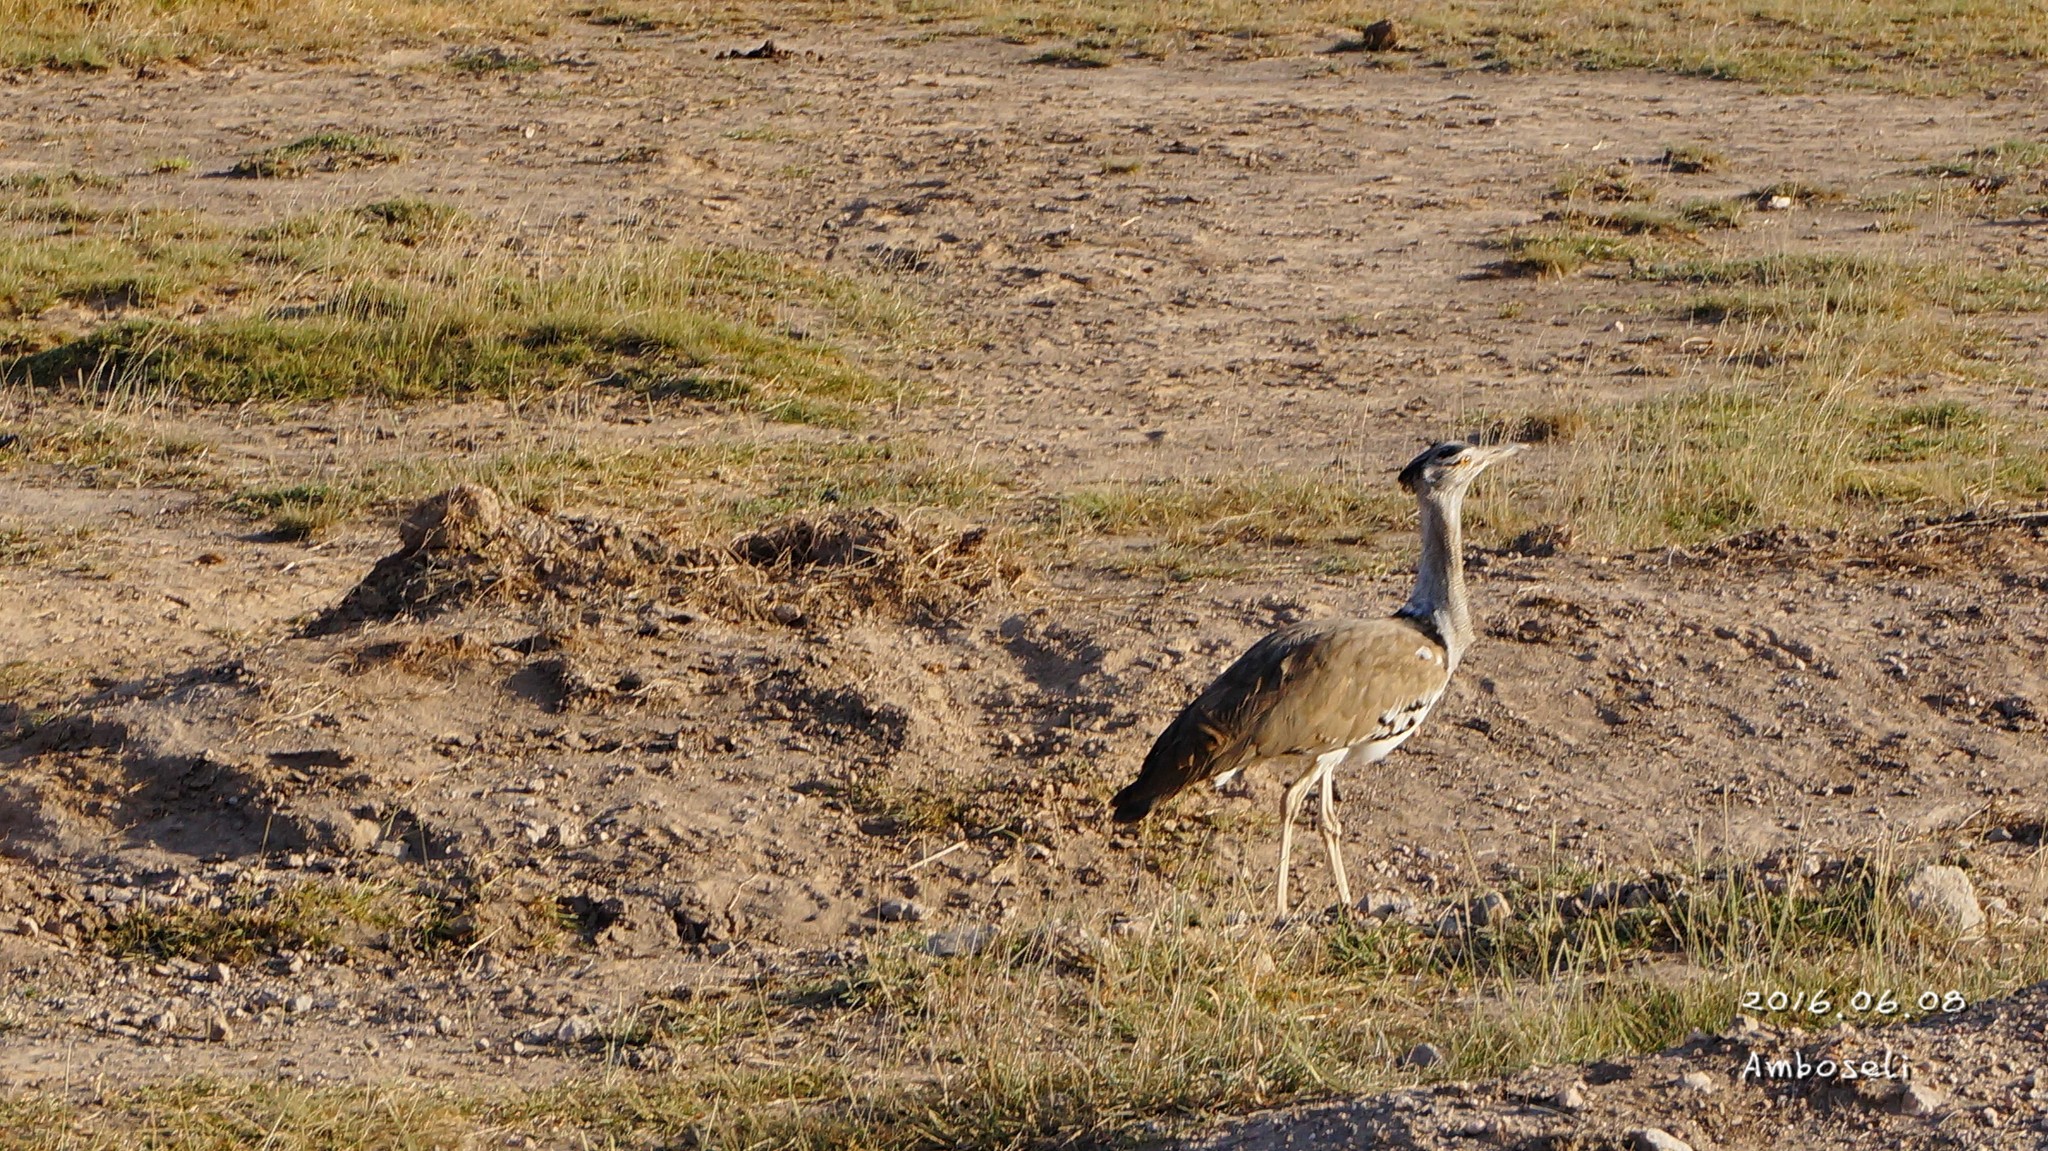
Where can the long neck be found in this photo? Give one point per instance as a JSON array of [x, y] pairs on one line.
[[1439, 594]]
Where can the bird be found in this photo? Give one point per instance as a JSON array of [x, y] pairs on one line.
[[1328, 692]]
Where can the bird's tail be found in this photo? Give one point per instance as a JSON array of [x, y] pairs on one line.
[[1185, 752]]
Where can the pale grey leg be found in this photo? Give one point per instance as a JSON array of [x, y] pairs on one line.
[[1290, 810], [1331, 830]]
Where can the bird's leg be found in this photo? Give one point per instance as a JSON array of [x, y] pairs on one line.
[[1332, 831], [1290, 810]]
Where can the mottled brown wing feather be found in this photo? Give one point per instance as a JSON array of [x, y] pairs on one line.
[[1306, 688]]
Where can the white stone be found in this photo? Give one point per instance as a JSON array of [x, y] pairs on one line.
[[1945, 897]]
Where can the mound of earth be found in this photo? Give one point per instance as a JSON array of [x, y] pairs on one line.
[[465, 546]]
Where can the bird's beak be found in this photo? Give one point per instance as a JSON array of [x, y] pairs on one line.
[[1494, 453]]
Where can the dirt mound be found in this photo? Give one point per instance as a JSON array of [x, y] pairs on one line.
[[869, 559], [465, 546]]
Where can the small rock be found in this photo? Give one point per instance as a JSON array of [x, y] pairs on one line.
[[1917, 1099], [1423, 1055], [898, 911], [1776, 204], [1945, 897], [1379, 36], [1263, 965], [576, 1029], [1743, 1029], [1698, 1081], [218, 1031], [1491, 910], [299, 1004], [787, 613], [443, 1025], [1655, 1139], [163, 1022], [1450, 926], [960, 941], [1572, 1098], [1386, 905]]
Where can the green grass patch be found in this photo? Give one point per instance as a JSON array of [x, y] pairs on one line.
[[320, 152], [1267, 508], [1563, 249], [405, 299], [494, 60], [257, 922]]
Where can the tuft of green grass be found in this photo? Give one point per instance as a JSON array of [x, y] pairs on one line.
[[254, 922], [298, 511], [1687, 159], [320, 152], [1614, 183], [1562, 250], [1075, 57], [493, 60], [166, 165]]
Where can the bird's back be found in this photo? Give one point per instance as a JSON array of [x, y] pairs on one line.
[[1305, 689]]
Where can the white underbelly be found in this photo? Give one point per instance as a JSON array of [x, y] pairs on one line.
[[1374, 750]]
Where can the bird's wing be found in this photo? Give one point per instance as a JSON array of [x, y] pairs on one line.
[[1307, 688]]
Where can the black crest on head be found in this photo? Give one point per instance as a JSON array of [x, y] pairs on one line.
[[1412, 474]]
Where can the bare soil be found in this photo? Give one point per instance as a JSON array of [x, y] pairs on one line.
[[727, 763]]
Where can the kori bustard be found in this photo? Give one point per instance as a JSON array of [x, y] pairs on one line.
[[1333, 691]]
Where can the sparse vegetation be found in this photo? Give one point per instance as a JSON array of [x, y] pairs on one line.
[[1802, 432], [1056, 1033], [1688, 159], [320, 152], [1877, 46], [484, 61], [381, 301]]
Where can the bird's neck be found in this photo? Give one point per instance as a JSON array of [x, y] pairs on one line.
[[1439, 595]]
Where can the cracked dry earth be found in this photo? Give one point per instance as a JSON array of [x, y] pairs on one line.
[[664, 771]]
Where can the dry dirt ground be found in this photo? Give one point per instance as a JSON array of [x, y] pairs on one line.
[[1161, 268]]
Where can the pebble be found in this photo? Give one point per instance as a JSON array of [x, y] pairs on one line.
[[1917, 1099], [1698, 1081], [960, 941], [1572, 1098], [1491, 910], [1656, 1139], [163, 1021], [898, 911], [1423, 1055], [218, 1031], [1386, 905], [576, 1029], [299, 1004]]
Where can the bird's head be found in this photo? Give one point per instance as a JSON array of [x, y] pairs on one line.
[[1448, 467]]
